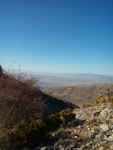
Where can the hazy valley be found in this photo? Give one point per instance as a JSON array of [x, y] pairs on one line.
[[79, 89], [51, 80]]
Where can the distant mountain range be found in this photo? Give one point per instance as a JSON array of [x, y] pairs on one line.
[[50, 80]]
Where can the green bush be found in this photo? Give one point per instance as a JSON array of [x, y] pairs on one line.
[[4, 143], [67, 116], [64, 134], [53, 121], [111, 99], [29, 134]]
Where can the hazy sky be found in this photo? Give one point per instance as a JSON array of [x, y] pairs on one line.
[[65, 36]]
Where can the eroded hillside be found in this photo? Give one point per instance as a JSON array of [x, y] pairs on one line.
[[80, 95]]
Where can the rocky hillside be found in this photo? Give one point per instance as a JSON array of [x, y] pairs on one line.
[[92, 129], [80, 95], [25, 124]]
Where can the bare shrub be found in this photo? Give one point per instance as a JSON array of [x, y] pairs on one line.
[[19, 99]]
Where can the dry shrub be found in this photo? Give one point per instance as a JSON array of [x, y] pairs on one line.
[[103, 99], [19, 100]]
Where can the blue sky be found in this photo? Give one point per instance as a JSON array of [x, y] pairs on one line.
[[59, 36]]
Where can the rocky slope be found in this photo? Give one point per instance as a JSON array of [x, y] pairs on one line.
[[80, 95], [92, 129]]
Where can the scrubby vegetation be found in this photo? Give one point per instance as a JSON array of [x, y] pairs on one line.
[[29, 117], [105, 99], [29, 134], [53, 121], [25, 119], [67, 116], [102, 99], [19, 100], [32, 133]]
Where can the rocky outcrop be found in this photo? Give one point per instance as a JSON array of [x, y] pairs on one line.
[[93, 130]]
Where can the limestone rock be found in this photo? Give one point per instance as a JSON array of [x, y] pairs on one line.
[[104, 127]]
